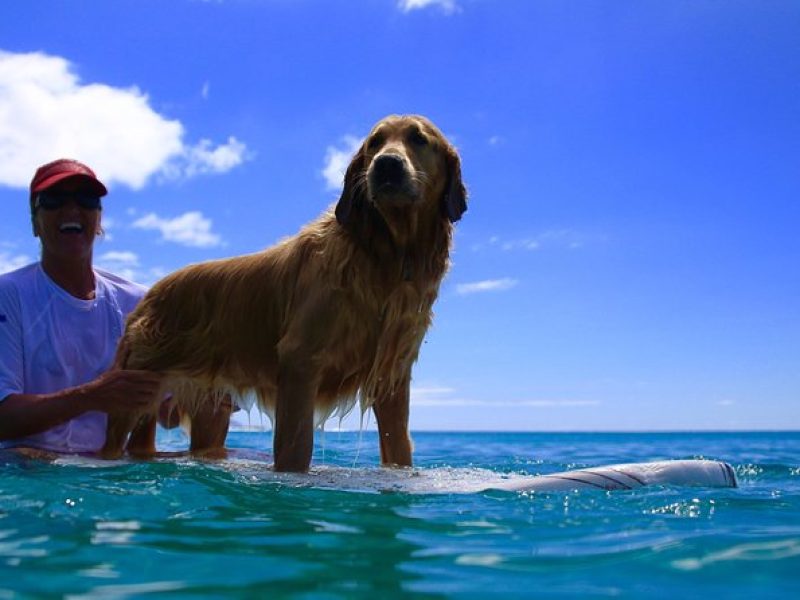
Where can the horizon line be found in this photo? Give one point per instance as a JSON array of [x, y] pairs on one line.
[[541, 431]]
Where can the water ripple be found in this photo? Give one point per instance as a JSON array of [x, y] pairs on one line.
[[756, 551]]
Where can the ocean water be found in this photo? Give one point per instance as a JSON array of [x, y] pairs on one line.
[[184, 528]]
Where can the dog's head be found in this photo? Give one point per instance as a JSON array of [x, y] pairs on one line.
[[404, 163]]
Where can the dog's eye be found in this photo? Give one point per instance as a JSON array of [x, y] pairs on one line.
[[417, 138], [375, 142]]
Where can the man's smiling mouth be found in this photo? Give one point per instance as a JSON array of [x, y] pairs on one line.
[[70, 227]]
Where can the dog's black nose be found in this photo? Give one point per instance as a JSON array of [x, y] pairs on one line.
[[389, 168]]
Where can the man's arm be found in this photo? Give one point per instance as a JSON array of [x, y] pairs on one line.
[[115, 391]]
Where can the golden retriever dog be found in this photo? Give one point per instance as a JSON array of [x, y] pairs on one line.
[[332, 315]]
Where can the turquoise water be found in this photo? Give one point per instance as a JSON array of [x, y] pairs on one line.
[[189, 529]]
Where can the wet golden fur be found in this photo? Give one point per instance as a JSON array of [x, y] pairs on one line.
[[333, 314]]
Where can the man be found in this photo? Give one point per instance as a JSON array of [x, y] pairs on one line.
[[60, 320]]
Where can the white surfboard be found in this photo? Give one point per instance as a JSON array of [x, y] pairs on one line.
[[705, 473], [453, 480]]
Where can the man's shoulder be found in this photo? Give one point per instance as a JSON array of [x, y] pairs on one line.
[[18, 279], [16, 288], [120, 285]]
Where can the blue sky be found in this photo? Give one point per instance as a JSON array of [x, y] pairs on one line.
[[629, 260]]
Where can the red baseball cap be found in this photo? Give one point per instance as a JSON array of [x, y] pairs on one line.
[[54, 172]]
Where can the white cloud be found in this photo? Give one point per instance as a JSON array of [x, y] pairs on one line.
[[10, 262], [47, 112], [555, 238], [127, 265], [130, 259], [431, 391], [526, 244], [336, 161], [108, 224], [506, 403], [445, 397], [124, 264], [564, 238], [203, 158], [488, 285], [188, 229], [447, 6]]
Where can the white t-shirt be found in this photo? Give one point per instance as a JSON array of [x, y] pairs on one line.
[[50, 340]]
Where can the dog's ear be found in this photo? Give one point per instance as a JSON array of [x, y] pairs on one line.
[[353, 190], [455, 195]]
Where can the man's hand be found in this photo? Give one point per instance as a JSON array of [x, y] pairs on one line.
[[125, 391], [114, 392]]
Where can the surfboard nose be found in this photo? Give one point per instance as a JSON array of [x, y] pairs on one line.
[[697, 473]]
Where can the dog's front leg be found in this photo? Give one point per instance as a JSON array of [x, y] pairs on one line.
[[293, 441], [391, 413], [299, 353]]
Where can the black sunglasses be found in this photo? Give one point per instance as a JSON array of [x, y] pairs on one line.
[[53, 201]]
